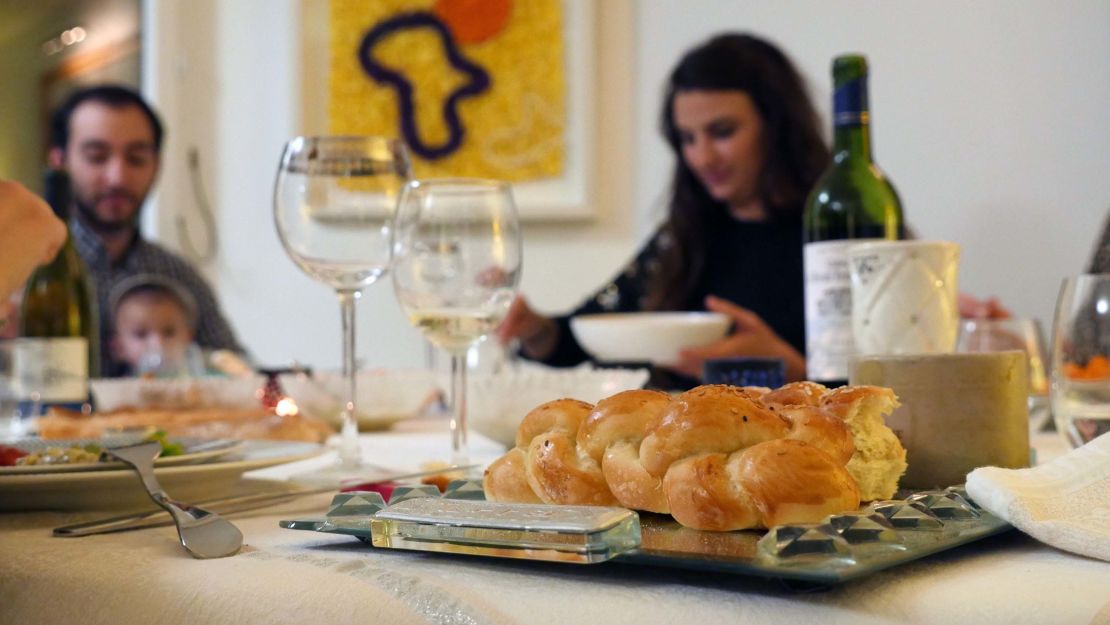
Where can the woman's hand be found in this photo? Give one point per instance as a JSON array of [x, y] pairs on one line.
[[752, 337], [537, 334]]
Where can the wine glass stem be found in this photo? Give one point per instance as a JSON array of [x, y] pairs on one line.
[[349, 454], [460, 451]]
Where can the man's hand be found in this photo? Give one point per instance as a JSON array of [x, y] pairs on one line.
[[30, 235], [752, 337]]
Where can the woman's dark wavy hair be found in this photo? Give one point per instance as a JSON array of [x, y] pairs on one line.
[[794, 152]]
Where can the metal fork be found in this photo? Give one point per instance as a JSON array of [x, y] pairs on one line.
[[203, 534]]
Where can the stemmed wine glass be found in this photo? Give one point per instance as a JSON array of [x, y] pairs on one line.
[[334, 200], [456, 266], [1081, 359], [1015, 333]]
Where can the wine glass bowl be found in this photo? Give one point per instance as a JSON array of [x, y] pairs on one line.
[[334, 200], [456, 267], [1081, 359], [333, 203], [1016, 333]]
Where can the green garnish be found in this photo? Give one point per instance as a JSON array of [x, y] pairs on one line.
[[169, 448]]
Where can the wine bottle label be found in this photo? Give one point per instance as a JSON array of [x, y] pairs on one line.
[[53, 369], [828, 301]]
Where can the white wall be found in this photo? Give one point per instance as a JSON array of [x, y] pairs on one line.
[[991, 117], [228, 78]]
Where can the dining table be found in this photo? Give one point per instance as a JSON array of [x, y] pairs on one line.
[[283, 576]]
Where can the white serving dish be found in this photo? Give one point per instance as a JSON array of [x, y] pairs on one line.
[[112, 394], [653, 337], [382, 396], [498, 402]]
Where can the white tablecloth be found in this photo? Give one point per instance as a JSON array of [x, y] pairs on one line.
[[286, 576]]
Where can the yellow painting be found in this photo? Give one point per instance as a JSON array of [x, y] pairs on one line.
[[475, 88]]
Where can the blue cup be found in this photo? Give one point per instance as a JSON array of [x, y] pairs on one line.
[[769, 372]]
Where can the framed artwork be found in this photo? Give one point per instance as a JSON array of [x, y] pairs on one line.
[[500, 89]]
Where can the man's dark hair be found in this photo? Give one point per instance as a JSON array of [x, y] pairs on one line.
[[116, 96]]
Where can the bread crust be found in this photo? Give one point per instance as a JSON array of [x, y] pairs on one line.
[[708, 419], [612, 435], [716, 457], [504, 480]]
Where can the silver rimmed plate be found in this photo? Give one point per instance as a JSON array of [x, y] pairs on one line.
[[119, 488], [196, 450]]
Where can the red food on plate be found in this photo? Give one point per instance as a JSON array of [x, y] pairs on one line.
[[9, 455]]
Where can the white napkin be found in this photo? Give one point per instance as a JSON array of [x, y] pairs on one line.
[[1064, 503]]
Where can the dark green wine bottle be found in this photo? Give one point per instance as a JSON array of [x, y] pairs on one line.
[[59, 345], [852, 200]]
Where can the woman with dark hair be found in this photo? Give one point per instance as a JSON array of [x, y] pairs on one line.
[[748, 149]]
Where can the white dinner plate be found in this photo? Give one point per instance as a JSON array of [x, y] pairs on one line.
[[118, 489], [196, 450]]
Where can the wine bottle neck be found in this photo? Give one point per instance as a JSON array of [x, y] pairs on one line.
[[852, 142], [58, 193], [851, 118]]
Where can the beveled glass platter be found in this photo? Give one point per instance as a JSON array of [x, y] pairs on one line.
[[840, 548]]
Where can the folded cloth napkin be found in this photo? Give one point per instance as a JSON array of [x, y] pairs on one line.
[[1064, 503]]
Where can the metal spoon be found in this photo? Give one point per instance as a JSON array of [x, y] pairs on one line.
[[204, 534]]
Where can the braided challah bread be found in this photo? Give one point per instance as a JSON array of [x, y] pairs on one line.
[[715, 457]]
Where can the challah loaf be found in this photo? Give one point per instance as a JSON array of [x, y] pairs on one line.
[[880, 458], [716, 457]]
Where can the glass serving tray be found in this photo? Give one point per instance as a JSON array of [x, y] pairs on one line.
[[840, 548]]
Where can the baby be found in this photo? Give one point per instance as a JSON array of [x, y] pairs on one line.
[[154, 327]]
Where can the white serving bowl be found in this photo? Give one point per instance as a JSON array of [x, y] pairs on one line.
[[654, 337], [382, 396], [498, 402], [112, 394]]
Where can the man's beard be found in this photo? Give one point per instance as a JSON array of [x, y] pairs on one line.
[[102, 226]]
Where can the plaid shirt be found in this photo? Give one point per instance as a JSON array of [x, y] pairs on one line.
[[212, 331]]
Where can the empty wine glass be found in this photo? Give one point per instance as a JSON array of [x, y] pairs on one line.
[[334, 200], [1023, 334], [456, 266], [1081, 359]]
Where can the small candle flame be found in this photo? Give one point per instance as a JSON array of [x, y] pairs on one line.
[[286, 407]]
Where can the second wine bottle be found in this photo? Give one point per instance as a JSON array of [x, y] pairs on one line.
[[58, 348]]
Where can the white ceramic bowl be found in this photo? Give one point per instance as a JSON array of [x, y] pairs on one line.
[[382, 396], [115, 393], [498, 402], [654, 337]]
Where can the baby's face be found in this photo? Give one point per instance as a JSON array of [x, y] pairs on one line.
[[150, 322]]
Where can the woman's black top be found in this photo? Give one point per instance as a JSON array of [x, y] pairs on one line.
[[755, 265]]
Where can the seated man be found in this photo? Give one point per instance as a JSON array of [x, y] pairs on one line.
[[109, 140]]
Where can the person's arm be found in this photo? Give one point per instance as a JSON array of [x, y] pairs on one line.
[[549, 339], [30, 235], [213, 331], [751, 337], [1100, 258]]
